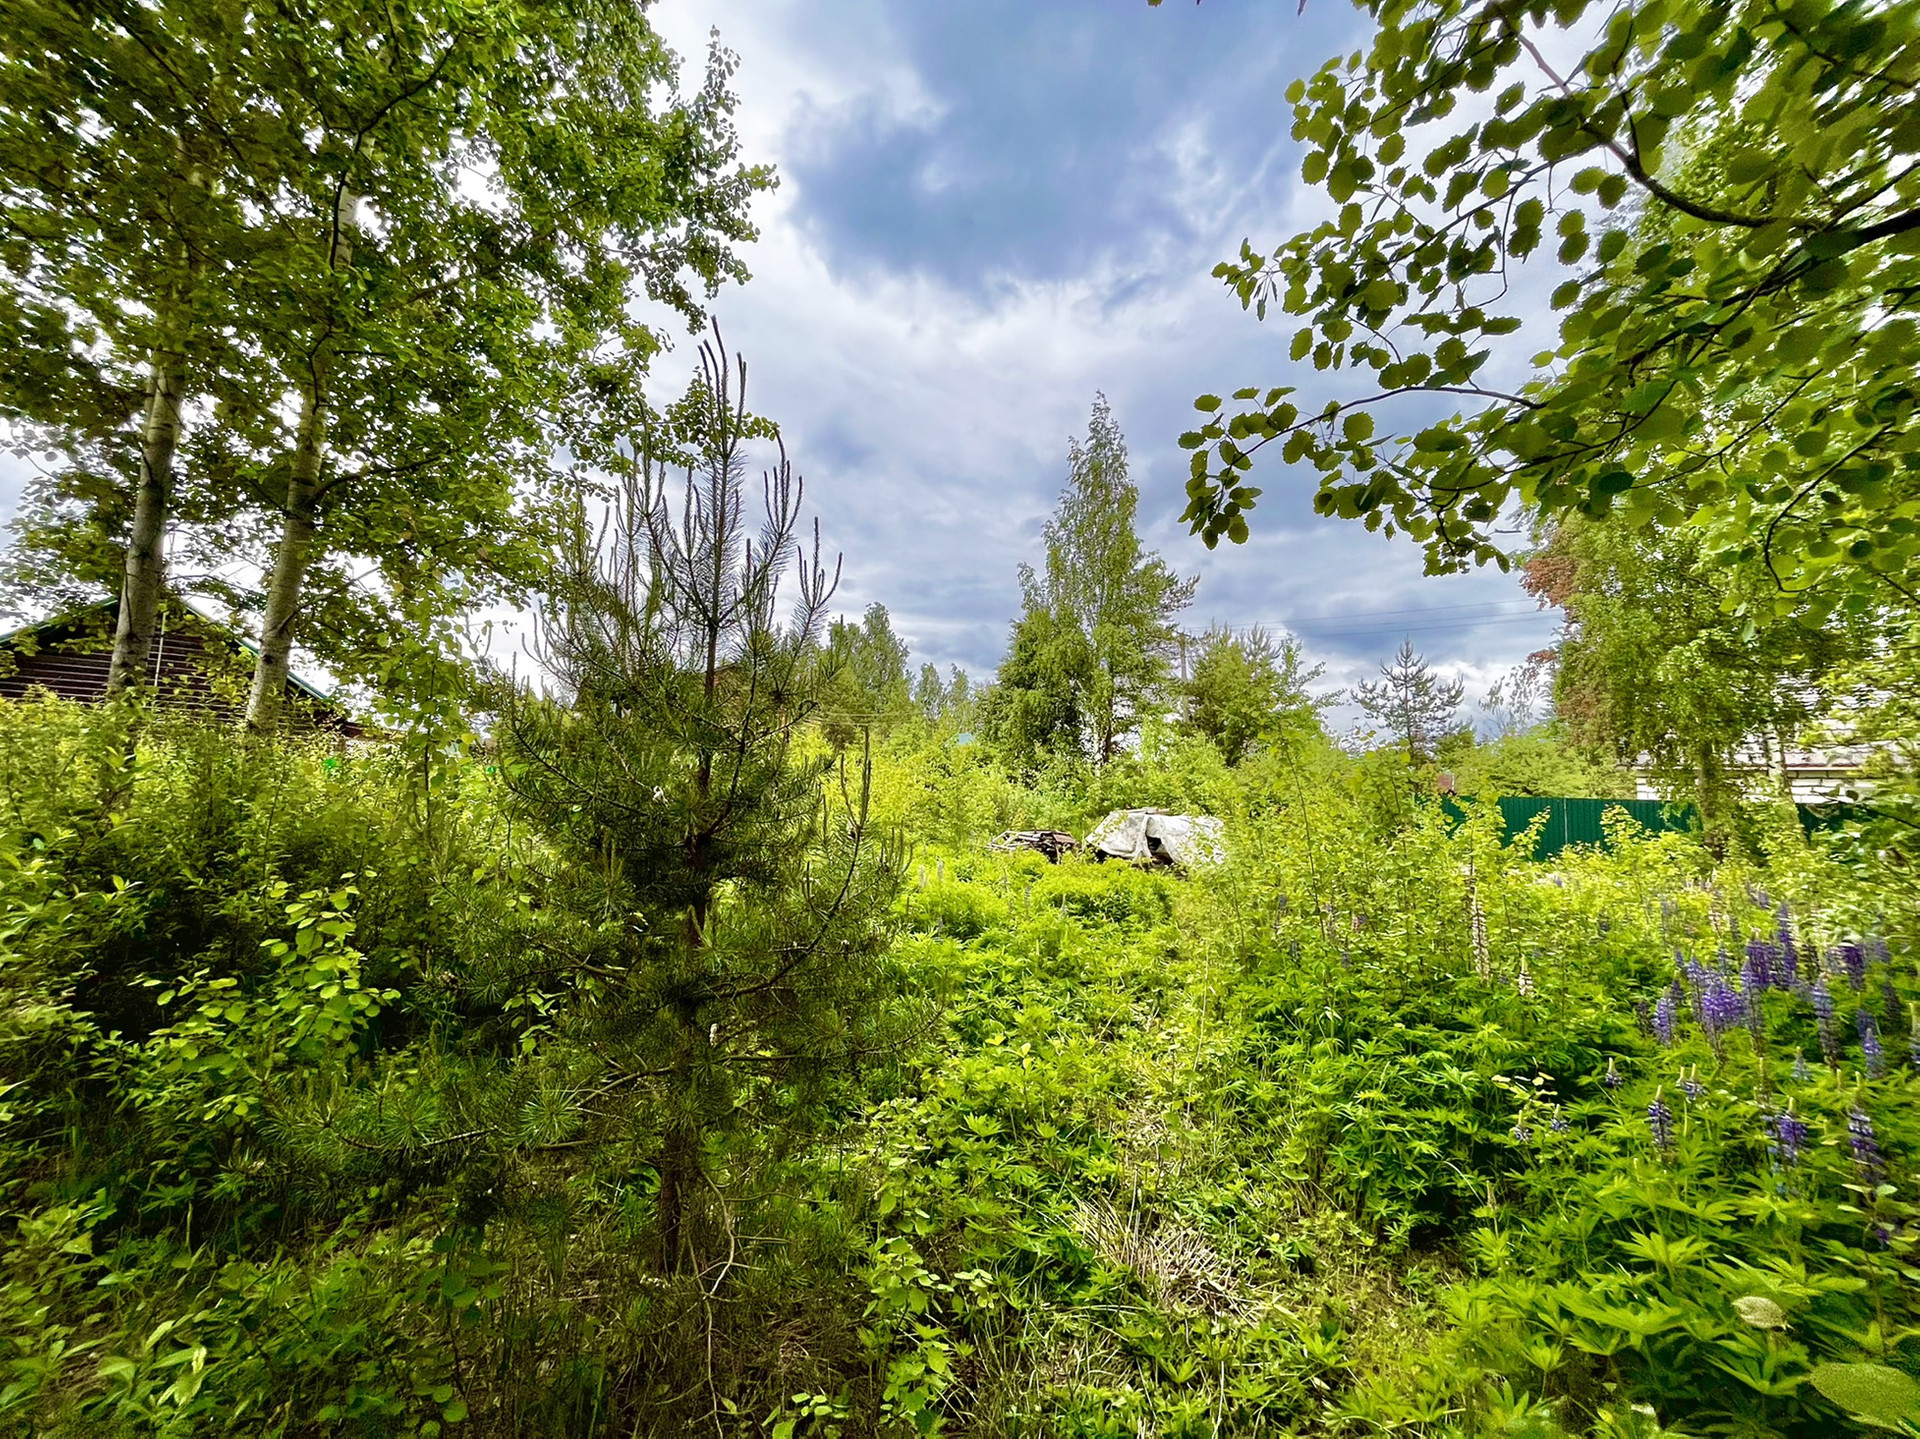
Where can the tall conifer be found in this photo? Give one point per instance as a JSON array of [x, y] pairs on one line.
[[748, 879]]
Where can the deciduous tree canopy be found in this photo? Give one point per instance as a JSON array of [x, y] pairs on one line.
[[1746, 360], [1094, 641]]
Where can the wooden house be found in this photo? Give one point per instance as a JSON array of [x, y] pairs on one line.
[[198, 664]]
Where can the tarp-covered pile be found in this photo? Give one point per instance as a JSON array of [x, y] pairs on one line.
[[1152, 836]]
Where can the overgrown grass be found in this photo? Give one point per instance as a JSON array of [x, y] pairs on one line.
[[1377, 1128]]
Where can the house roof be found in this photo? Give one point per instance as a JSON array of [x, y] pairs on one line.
[[111, 607]]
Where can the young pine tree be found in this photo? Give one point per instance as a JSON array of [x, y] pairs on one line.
[[1410, 702], [741, 879]]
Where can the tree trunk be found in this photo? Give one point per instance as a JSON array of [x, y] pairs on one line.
[[145, 576], [679, 1168], [290, 564], [1714, 800], [301, 526]]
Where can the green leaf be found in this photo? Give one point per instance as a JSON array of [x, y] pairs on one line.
[[1872, 1393], [1357, 426], [1207, 403]]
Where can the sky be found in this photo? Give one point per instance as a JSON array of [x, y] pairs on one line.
[[990, 210]]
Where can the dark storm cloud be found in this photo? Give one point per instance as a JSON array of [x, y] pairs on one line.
[[1050, 138]]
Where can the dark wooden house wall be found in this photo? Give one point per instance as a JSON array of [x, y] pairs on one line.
[[71, 662]]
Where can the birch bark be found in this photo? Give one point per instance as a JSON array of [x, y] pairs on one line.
[[144, 580], [300, 527]]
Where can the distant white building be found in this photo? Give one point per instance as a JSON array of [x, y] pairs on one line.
[[1812, 776]]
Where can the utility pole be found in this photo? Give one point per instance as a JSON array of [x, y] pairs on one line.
[[1186, 699]]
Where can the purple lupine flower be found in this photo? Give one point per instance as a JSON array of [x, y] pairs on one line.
[[1866, 1149], [1789, 1137], [1753, 990], [1851, 960], [1522, 1134], [1758, 898], [1870, 1043], [1822, 998], [1660, 1121], [1890, 1004], [1695, 975], [1800, 1071], [1558, 1124], [1663, 1019], [1613, 1078], [1789, 953], [1721, 1007], [1757, 974], [1690, 1083], [1876, 948], [1823, 1014]]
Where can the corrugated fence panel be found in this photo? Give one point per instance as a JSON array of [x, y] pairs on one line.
[[1583, 821]]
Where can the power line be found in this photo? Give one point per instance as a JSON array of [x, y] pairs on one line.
[[1307, 632], [1428, 609]]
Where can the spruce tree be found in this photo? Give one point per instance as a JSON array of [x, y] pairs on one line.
[[744, 884], [1412, 703], [865, 686]]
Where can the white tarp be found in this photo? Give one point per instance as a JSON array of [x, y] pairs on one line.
[[1151, 836]]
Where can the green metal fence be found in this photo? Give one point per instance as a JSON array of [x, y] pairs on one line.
[[1579, 821]]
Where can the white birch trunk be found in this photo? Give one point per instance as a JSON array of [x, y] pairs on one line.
[[300, 529], [290, 564], [144, 581]]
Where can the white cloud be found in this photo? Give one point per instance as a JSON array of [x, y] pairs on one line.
[[927, 394]]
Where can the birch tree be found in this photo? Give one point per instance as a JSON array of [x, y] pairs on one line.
[[441, 349], [360, 268], [120, 223], [1110, 602]]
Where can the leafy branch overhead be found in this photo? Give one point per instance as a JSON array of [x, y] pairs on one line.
[[1729, 196]]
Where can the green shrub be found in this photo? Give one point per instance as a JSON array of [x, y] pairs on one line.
[[1117, 893], [954, 907]]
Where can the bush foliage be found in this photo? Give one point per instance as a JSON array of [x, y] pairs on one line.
[[1379, 1126]]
